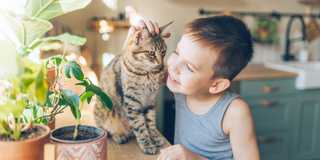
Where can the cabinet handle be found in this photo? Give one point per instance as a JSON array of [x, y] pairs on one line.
[[267, 103], [269, 89], [265, 139]]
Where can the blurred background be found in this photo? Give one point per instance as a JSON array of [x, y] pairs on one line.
[[281, 84]]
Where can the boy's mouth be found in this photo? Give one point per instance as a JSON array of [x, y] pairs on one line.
[[172, 79]]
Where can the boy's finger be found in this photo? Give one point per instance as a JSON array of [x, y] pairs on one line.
[[150, 26], [141, 24], [157, 28], [131, 30]]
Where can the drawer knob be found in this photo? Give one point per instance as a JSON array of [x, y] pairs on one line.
[[269, 89], [265, 139], [267, 103]]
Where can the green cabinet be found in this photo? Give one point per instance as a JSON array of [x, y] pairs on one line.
[[305, 123], [287, 120]]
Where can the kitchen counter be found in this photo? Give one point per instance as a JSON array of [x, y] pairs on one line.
[[260, 72], [129, 151]]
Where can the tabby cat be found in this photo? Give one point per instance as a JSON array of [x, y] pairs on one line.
[[133, 80]]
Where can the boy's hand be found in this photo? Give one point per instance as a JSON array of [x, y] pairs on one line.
[[178, 152], [138, 22]]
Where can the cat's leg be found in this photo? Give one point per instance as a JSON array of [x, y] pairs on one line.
[[137, 121], [113, 124], [154, 133]]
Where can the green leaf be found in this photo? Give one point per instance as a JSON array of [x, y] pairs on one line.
[[56, 60], [23, 31], [74, 68], [73, 100], [34, 29], [41, 86], [48, 9], [10, 107], [4, 128], [67, 38], [67, 70], [86, 96], [103, 97]]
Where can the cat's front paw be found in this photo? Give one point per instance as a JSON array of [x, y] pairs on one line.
[[147, 146], [156, 138], [151, 149], [120, 139]]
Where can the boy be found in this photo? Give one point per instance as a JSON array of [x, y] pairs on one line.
[[211, 122]]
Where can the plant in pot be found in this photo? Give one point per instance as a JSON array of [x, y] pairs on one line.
[[17, 132], [28, 99]]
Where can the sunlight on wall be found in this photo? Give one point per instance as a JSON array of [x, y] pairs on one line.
[[16, 6], [111, 4], [8, 60]]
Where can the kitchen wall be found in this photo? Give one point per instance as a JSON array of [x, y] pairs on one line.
[[181, 11]]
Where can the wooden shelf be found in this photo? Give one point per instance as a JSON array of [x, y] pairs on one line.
[[310, 2]]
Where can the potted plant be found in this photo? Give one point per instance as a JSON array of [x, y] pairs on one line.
[[17, 132], [29, 100]]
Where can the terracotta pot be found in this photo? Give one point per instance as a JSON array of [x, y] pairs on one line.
[[93, 147], [30, 149]]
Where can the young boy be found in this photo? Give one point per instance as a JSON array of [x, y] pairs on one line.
[[211, 122]]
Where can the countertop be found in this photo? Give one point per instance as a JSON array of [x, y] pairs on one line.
[[260, 72], [129, 151]]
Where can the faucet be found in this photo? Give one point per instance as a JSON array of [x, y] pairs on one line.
[[287, 56]]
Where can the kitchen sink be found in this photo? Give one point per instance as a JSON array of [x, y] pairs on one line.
[[308, 72]]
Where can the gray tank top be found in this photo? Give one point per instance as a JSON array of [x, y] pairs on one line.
[[203, 134]]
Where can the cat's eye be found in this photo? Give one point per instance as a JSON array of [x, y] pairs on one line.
[[152, 53]]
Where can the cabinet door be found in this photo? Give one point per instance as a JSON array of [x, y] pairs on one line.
[[270, 113], [305, 123], [271, 118], [273, 145]]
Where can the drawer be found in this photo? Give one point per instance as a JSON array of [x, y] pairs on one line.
[[270, 113], [273, 145], [266, 87]]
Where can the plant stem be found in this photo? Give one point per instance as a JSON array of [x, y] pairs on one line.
[[75, 132]]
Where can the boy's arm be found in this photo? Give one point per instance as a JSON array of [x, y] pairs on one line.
[[238, 124], [178, 152]]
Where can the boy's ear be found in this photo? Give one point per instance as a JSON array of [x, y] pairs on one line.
[[219, 85]]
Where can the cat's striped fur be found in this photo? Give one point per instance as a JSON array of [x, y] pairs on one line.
[[132, 80]]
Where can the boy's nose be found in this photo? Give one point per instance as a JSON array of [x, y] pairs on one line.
[[175, 68]]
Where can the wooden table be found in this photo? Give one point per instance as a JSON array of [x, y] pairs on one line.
[[129, 151]]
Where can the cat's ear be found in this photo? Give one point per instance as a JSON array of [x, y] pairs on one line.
[[162, 28]]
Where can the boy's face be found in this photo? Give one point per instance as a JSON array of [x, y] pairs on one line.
[[190, 67]]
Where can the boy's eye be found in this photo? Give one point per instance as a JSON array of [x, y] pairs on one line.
[[175, 52], [189, 68]]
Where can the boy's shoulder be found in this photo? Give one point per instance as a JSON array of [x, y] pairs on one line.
[[237, 114], [238, 107]]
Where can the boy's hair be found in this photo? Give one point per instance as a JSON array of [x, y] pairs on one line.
[[228, 36]]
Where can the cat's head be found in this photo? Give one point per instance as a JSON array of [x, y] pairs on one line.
[[149, 50]]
